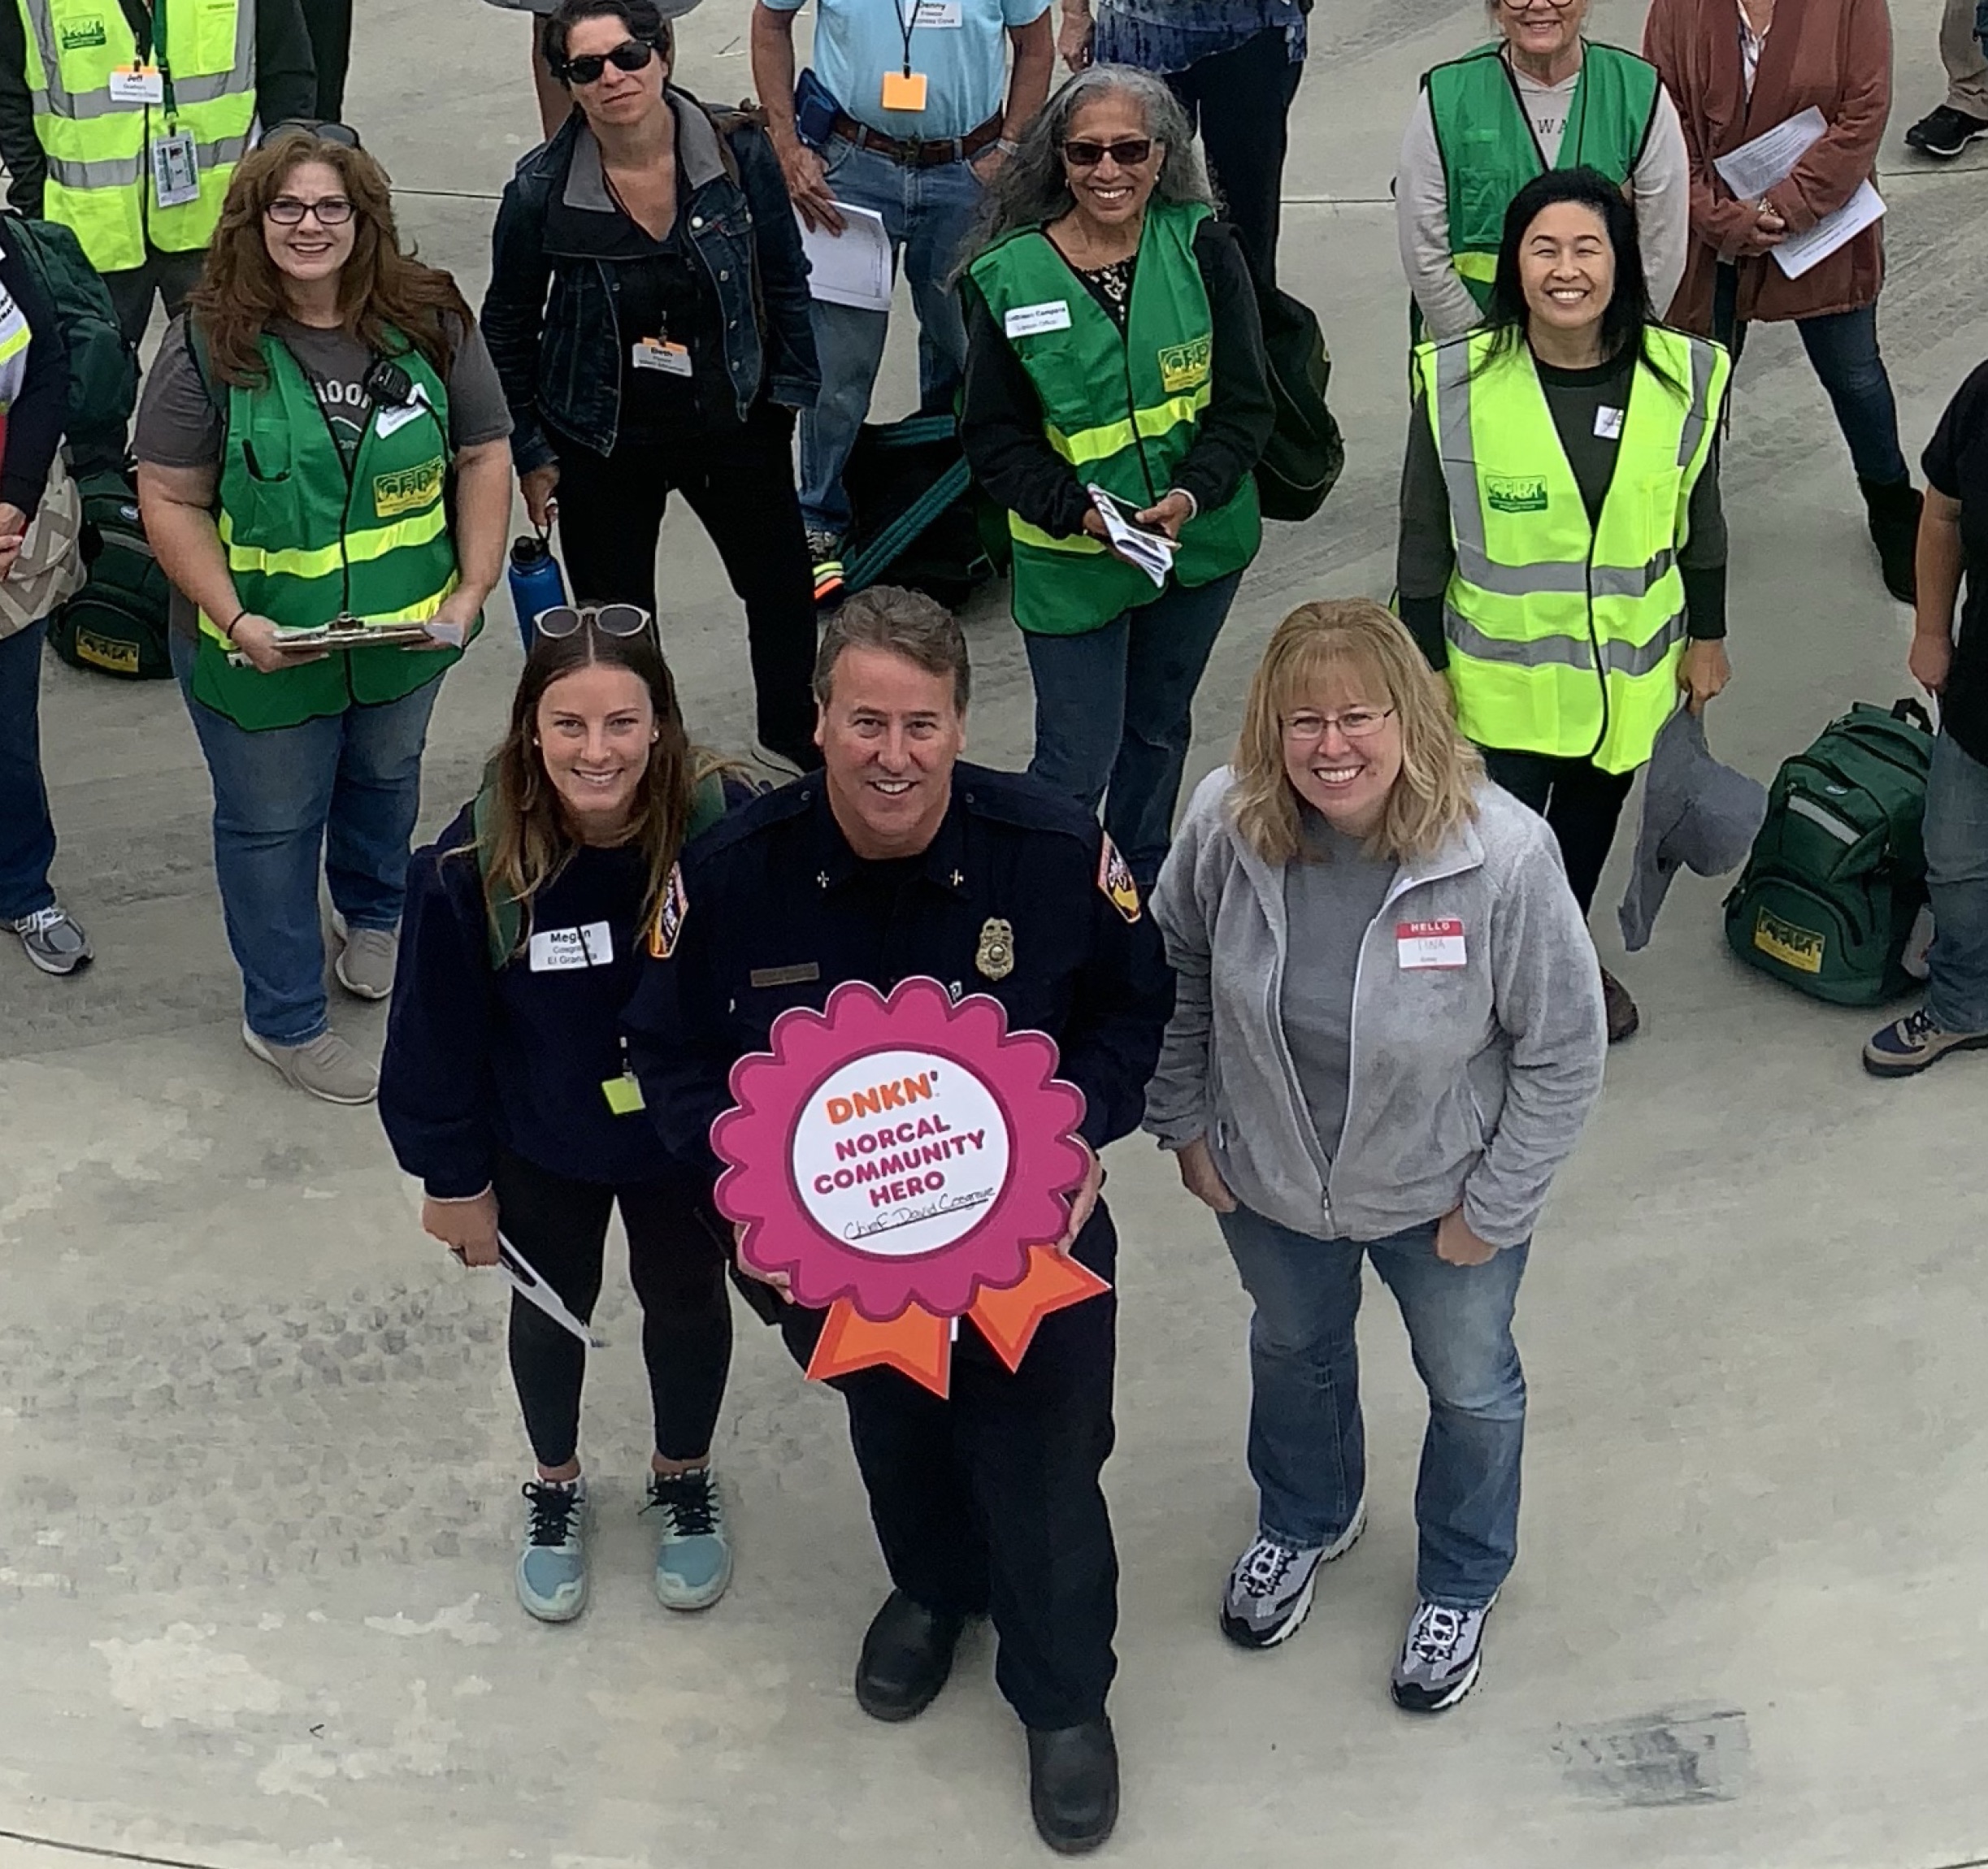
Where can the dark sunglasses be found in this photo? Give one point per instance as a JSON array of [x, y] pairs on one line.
[[341, 133], [630, 55], [1128, 153], [610, 619]]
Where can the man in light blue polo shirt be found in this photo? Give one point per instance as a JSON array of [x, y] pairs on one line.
[[921, 119]]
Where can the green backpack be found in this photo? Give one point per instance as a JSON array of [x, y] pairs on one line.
[[1827, 900], [120, 622], [103, 369]]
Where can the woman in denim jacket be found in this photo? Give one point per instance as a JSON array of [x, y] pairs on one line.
[[647, 312]]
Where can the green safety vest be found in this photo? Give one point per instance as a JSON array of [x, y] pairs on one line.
[[99, 148], [1490, 153], [1122, 409], [308, 540], [1564, 637]]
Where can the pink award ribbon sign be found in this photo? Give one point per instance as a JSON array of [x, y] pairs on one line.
[[905, 1162]]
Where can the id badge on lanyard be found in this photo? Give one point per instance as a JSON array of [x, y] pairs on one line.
[[175, 169]]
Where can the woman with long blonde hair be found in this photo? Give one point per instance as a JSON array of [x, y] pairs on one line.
[[505, 1085], [1388, 1034]]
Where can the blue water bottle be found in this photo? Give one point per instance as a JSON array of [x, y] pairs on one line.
[[537, 584]]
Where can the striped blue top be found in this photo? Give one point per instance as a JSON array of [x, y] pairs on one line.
[[1170, 35]]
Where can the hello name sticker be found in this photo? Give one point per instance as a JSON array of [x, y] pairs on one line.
[[905, 1162], [1430, 944]]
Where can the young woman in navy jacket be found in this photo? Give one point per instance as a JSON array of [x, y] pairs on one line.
[[504, 1084]]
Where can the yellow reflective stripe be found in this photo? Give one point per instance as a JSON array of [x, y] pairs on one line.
[[1481, 267], [1100, 443], [327, 560], [1024, 533], [415, 613]]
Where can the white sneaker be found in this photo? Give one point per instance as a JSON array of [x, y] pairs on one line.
[[327, 1067]]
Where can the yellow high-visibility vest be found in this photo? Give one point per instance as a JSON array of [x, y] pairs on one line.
[[99, 147], [1564, 637]]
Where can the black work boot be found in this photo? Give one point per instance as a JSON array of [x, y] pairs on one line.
[[1894, 511], [1072, 1784], [906, 1656]]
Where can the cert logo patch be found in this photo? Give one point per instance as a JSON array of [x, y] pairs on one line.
[[84, 34], [667, 928], [1115, 880], [1801, 948], [407, 489], [1515, 493], [1187, 365]]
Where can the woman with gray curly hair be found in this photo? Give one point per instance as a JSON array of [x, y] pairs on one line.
[[1115, 365]]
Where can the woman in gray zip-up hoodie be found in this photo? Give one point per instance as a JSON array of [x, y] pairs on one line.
[[1388, 1034]]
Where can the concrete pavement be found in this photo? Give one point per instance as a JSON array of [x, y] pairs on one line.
[[258, 1458]]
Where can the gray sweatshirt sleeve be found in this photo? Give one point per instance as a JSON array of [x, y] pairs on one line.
[[1177, 1101], [1546, 997], [1661, 186], [1422, 228]]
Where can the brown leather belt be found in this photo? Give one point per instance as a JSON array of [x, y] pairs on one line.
[[916, 155]]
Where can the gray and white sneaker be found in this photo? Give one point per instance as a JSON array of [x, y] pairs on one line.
[[1269, 1591], [365, 964], [327, 1067], [1440, 1660], [52, 941], [552, 1564]]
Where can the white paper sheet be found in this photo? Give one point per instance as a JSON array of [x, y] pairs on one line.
[[853, 267], [1768, 160], [1799, 252], [518, 1272], [1152, 551]]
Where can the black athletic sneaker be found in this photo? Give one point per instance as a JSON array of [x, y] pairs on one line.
[[1946, 133]]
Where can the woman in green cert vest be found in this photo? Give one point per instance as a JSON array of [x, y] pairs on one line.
[[1538, 97], [322, 443], [1562, 553], [1115, 363]]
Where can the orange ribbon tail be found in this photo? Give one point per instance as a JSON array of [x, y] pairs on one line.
[[1009, 1319], [915, 1341]]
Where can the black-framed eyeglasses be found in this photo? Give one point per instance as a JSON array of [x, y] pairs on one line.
[[1128, 152], [288, 211], [342, 134], [608, 619], [630, 55]]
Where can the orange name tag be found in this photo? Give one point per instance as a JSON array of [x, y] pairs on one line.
[[904, 90]]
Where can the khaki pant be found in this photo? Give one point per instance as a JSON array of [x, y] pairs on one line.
[[1966, 71]]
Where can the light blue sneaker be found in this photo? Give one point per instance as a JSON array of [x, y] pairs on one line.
[[693, 1563], [552, 1567]]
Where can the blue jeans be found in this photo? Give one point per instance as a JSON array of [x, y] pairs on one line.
[[928, 214], [1307, 1446], [1956, 834], [1114, 712], [1843, 351], [342, 792], [27, 831]]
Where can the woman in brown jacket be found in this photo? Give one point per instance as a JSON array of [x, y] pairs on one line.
[[1735, 71]]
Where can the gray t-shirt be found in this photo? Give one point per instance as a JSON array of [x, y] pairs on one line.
[[180, 426], [1331, 896]]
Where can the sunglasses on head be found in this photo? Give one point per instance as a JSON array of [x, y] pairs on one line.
[[341, 133], [1128, 153], [630, 55], [608, 619]]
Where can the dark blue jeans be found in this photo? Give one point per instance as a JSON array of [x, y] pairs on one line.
[[1307, 1443], [1114, 712], [27, 832], [338, 795], [1843, 350]]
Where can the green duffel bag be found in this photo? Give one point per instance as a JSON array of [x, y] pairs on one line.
[[1827, 900], [117, 623]]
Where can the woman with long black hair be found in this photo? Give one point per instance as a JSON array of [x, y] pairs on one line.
[[506, 1086], [1562, 551]]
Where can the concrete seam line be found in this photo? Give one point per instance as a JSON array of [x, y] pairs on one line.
[[164, 1861]]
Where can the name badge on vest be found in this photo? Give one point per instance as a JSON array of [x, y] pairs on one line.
[[137, 84], [560, 950], [937, 13], [1419, 944], [390, 420], [1609, 424], [1027, 320], [658, 353], [175, 169]]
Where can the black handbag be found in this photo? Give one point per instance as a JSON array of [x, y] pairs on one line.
[[1306, 453]]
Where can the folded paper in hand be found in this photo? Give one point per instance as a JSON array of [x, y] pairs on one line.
[[1152, 551], [1768, 161], [853, 267]]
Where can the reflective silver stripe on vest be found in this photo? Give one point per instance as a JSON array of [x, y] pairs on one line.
[[1617, 658], [1701, 412], [113, 172]]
